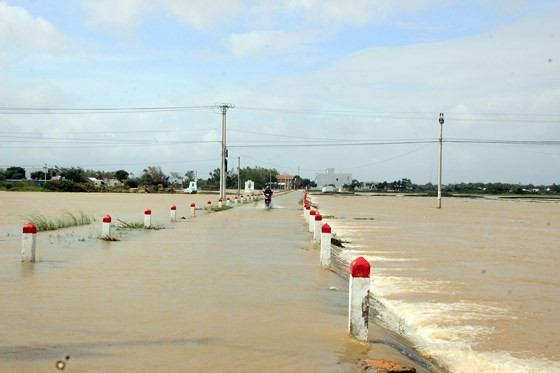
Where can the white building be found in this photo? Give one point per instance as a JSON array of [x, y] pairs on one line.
[[332, 178]]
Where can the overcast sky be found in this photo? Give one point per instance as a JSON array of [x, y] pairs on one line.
[[352, 85]]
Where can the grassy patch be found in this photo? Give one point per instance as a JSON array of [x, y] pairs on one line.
[[136, 225], [218, 209], [65, 220], [364, 218]]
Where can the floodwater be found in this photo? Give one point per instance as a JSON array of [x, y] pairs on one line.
[[238, 290], [475, 284]]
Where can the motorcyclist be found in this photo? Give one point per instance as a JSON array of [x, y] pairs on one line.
[[267, 195]]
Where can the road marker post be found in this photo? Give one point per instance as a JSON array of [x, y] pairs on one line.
[[358, 298], [28, 242]]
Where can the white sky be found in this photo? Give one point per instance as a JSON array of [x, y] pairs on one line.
[[309, 79]]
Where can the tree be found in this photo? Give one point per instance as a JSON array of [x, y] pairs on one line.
[[190, 175], [15, 172], [77, 175], [39, 175], [121, 175], [153, 175]]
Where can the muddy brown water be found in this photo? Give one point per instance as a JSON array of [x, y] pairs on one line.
[[475, 284], [239, 290]]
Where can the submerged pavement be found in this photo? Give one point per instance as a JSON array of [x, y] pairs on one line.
[[237, 290]]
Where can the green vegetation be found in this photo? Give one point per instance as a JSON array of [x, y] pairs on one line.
[[218, 209], [65, 220], [136, 225]]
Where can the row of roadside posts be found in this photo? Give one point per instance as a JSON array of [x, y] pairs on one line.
[[359, 276], [29, 237]]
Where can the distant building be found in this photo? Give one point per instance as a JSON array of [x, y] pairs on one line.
[[284, 181], [332, 178]]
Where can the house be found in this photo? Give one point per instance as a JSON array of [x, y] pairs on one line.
[[333, 179], [284, 181]]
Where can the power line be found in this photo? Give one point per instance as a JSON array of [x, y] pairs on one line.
[[96, 110]]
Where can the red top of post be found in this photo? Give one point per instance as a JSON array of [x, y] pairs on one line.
[[325, 228], [312, 212], [173, 207], [29, 228], [228, 199], [360, 268], [193, 205], [148, 212], [220, 200], [307, 207], [107, 218], [209, 202], [318, 217]]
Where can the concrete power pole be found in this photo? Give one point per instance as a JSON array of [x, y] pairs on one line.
[[223, 171], [238, 176], [440, 159]]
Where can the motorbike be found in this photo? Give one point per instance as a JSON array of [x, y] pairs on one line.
[[267, 202]]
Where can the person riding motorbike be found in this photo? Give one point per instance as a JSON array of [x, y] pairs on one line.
[[267, 196]]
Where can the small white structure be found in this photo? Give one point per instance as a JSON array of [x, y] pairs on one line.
[[193, 188], [333, 179], [249, 186]]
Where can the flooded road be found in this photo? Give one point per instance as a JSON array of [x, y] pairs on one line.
[[475, 284], [238, 290]]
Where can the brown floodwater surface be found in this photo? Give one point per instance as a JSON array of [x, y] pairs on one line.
[[475, 283], [239, 290]]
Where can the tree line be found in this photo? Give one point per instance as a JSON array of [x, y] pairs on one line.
[[154, 177]]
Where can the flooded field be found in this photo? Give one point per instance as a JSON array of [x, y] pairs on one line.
[[475, 284]]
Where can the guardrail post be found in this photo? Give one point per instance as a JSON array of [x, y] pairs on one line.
[[317, 228], [325, 254], [173, 213], [106, 227], [147, 218], [358, 299], [193, 210], [28, 243]]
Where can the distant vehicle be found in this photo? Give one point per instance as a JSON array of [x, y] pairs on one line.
[[193, 188]]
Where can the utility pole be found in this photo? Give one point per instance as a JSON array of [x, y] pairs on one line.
[[238, 176], [46, 170], [440, 157], [223, 171]]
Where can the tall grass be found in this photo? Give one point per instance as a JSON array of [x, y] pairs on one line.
[[64, 220]]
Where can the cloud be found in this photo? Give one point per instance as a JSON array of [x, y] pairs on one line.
[[258, 43], [119, 17], [201, 14], [22, 32]]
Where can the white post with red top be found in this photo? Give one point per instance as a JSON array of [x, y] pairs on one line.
[[306, 212], [312, 220], [228, 201], [173, 213], [209, 206], [28, 243], [147, 218], [220, 203], [317, 227], [106, 227], [358, 299], [325, 254], [193, 210]]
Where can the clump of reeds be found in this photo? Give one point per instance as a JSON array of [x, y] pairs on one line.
[[64, 220], [136, 225]]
